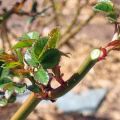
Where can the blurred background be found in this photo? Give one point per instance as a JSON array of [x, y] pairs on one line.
[[97, 97]]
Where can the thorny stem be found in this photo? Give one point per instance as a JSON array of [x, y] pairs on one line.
[[32, 101], [58, 75]]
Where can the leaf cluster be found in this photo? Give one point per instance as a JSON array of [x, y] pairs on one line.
[[32, 58], [107, 7]]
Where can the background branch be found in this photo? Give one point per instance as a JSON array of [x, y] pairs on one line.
[[55, 12], [71, 34], [78, 10]]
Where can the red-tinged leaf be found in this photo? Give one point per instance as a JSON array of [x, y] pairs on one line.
[[21, 71], [7, 57], [114, 43], [13, 65]]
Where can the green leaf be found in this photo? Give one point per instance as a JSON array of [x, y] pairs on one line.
[[3, 102], [104, 7], [107, 7], [34, 88], [39, 46], [112, 16], [50, 58], [42, 76], [23, 44], [12, 65], [6, 84], [30, 58], [26, 40], [19, 55], [4, 73], [20, 88], [10, 87], [30, 36], [5, 80], [54, 37]]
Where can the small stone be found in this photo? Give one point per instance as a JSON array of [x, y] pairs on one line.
[[85, 102]]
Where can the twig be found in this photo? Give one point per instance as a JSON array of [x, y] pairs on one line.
[[1, 35], [33, 16], [22, 13], [14, 9], [55, 12], [6, 38], [78, 10], [5, 17]]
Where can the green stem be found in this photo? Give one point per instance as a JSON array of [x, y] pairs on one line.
[[32, 101], [27, 107]]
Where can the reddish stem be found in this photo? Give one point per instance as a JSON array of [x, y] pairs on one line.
[[58, 75]]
